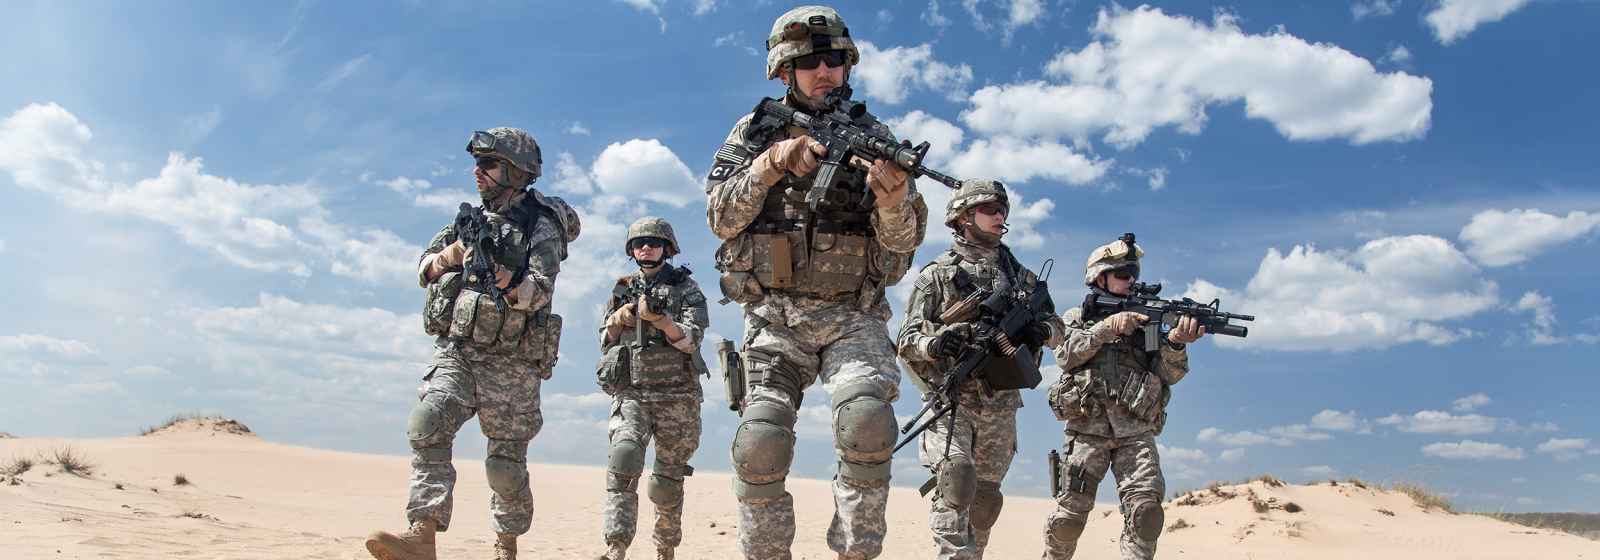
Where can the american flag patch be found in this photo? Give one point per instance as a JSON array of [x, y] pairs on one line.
[[731, 154]]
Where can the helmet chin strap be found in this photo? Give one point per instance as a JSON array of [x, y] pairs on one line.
[[798, 95], [644, 263]]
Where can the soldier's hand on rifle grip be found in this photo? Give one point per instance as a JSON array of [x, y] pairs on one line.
[[795, 156], [444, 261], [888, 182], [623, 317], [1187, 330], [1036, 335], [647, 314], [950, 341], [1125, 322]]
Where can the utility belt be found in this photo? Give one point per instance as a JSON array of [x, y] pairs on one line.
[[656, 365], [831, 263], [470, 317], [1085, 393]]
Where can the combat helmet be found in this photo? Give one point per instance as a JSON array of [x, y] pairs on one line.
[[651, 226], [513, 145], [974, 192], [805, 30], [1122, 254]]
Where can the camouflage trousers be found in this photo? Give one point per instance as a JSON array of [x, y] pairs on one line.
[[675, 427], [504, 393], [1140, 489], [844, 347], [986, 437]]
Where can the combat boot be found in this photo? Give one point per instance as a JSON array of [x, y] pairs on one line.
[[414, 544], [614, 551], [505, 547], [663, 553]]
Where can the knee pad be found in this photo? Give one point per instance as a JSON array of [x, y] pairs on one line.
[[1067, 529], [958, 481], [763, 448], [625, 459], [986, 505], [506, 476], [424, 425], [665, 491], [864, 431], [1147, 520]]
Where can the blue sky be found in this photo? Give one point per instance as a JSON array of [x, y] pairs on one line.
[[217, 208]]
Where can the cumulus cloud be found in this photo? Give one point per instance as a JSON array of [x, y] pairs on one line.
[[1453, 19], [652, 7], [1502, 238], [569, 177], [1340, 421], [1182, 463], [270, 228], [1015, 160], [1440, 422], [933, 17], [1566, 449], [1282, 436], [646, 169], [577, 128], [406, 185], [1473, 451], [1398, 55], [447, 201], [1471, 402], [1390, 291], [1148, 69], [1231, 455], [48, 345], [1372, 8], [287, 323], [889, 75]]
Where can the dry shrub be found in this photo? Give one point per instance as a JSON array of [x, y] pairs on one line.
[[70, 461], [1358, 483], [17, 466], [1179, 524], [1269, 480], [1292, 507], [180, 480], [1385, 512], [1426, 499]]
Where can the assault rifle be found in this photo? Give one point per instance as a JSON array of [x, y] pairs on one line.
[[1145, 299], [848, 142], [473, 229], [992, 356], [657, 303]]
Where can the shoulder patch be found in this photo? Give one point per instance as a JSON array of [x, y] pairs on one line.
[[732, 153], [721, 171]]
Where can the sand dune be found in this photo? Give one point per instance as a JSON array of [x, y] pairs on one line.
[[249, 498]]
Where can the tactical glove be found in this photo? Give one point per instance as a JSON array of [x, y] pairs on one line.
[[950, 340], [1036, 334], [443, 261], [796, 156]]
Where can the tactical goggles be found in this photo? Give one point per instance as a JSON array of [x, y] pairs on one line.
[[487, 164], [833, 58], [1125, 274], [990, 209], [481, 143], [651, 242]]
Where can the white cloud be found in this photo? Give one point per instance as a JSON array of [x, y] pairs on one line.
[[933, 17], [652, 7], [282, 322], [406, 185], [371, 255], [1501, 238], [578, 129], [1453, 19], [1541, 329], [1440, 422], [814, 422], [736, 39], [447, 201], [1473, 450], [343, 72], [1149, 69], [569, 177], [1566, 449], [1183, 463], [703, 7], [646, 169], [1282, 436], [889, 75], [1471, 402], [595, 259], [1390, 291], [1398, 55], [1363, 9], [1231, 455], [1340, 421], [1319, 471], [45, 345], [1021, 161]]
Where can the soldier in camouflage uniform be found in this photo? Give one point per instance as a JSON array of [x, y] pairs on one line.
[[969, 463], [1113, 396], [650, 340], [811, 283], [487, 361]]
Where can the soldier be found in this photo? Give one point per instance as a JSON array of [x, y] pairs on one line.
[[812, 284], [487, 360], [1113, 396], [651, 343], [968, 465]]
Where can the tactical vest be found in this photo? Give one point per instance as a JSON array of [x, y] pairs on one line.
[[1122, 373], [788, 248], [656, 363], [466, 316]]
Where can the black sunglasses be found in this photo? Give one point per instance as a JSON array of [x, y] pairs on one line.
[[834, 59], [651, 242], [1123, 275], [488, 163], [990, 209]]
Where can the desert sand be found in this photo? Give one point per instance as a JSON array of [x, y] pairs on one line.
[[249, 498]]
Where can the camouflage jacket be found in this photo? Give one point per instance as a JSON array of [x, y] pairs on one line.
[[734, 201], [686, 304], [957, 273], [1109, 385], [546, 247]]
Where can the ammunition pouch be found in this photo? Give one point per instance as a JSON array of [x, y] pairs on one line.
[[437, 309], [1144, 394], [656, 366], [534, 334], [612, 372], [1071, 399]]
